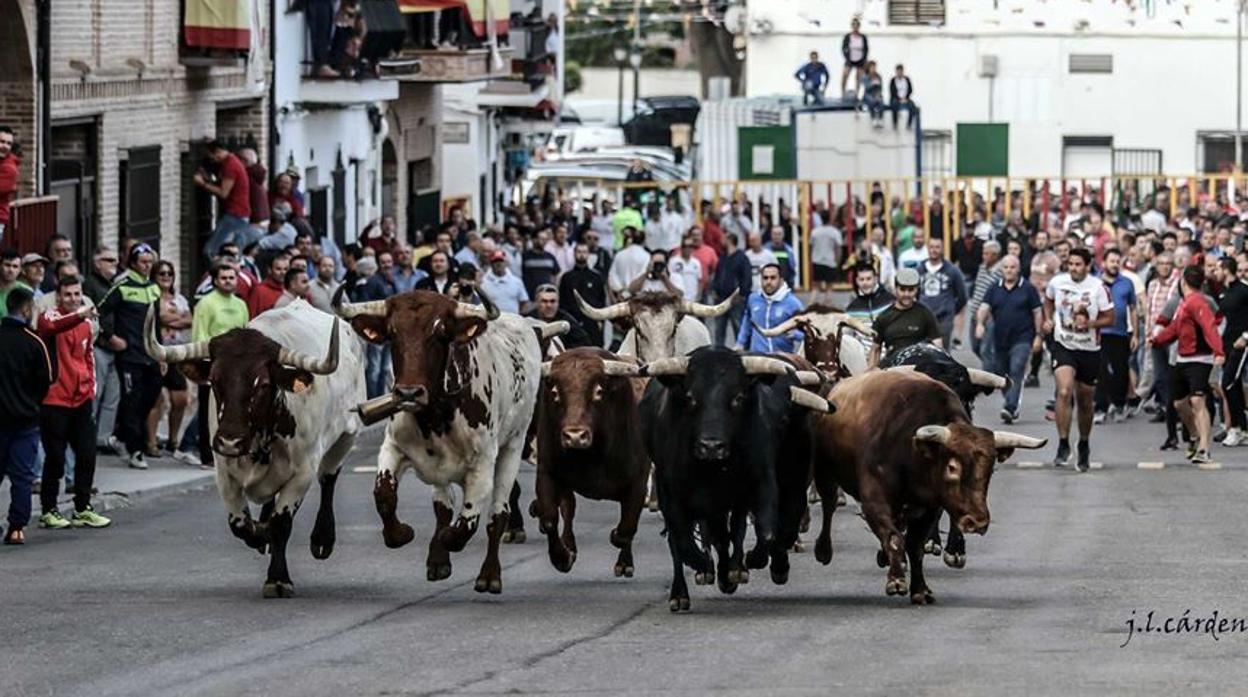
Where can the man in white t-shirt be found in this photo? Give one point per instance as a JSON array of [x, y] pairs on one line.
[[915, 256], [826, 242], [1076, 307], [686, 271], [758, 256]]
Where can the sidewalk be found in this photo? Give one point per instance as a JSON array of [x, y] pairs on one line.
[[120, 487]]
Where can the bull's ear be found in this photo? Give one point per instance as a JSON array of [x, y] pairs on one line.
[[1004, 454], [953, 470], [371, 327], [294, 379], [196, 371], [468, 329]]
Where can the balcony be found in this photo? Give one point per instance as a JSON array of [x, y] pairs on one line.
[[314, 90], [32, 223], [215, 33], [457, 65]]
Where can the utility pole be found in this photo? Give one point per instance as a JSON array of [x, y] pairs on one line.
[[1239, 86], [637, 49]]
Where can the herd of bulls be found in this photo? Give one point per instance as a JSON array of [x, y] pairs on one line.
[[733, 438]]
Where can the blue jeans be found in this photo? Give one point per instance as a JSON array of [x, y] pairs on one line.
[[230, 228], [984, 349], [375, 373], [1012, 361], [107, 393], [17, 462]]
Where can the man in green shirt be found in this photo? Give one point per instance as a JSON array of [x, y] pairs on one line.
[[627, 216], [217, 313], [10, 269]]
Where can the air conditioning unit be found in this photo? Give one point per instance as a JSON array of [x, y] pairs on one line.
[[988, 66]]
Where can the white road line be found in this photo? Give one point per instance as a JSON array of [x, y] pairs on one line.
[[364, 469], [1096, 465], [1152, 465], [1210, 465], [1030, 465]]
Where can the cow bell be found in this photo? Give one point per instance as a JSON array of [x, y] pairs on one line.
[[378, 408]]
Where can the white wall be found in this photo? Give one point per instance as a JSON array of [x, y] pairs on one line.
[[1168, 82]]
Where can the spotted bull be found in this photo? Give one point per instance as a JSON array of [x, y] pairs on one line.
[[830, 341], [465, 383], [713, 433], [589, 444], [277, 421], [664, 324], [902, 444]]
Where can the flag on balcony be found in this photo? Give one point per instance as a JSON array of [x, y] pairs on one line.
[[498, 10], [218, 24]]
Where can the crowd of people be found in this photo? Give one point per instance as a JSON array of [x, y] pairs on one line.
[[868, 91]]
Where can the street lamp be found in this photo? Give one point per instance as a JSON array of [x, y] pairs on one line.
[[620, 54], [634, 59]]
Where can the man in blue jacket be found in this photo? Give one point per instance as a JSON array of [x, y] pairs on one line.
[[768, 307], [942, 288], [814, 79]]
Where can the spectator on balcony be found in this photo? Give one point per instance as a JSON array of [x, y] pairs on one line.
[[813, 76], [854, 48], [285, 188], [10, 162], [257, 175], [349, 31], [233, 188], [320, 17], [901, 96], [873, 94], [554, 41]]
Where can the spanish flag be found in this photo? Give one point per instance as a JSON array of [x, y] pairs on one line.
[[498, 10], [218, 24]]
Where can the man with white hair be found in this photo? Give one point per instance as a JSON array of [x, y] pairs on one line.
[[989, 274], [1013, 307]]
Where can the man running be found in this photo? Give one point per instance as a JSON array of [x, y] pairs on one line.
[[1076, 306], [906, 323]]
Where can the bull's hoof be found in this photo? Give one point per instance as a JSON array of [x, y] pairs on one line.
[[279, 589], [881, 559], [515, 537], [779, 576], [438, 572], [703, 579], [400, 535], [727, 587], [740, 576], [678, 604], [533, 509], [923, 597], [895, 586], [756, 558], [932, 547], [492, 585], [823, 550], [563, 562], [322, 550], [455, 538], [623, 570], [955, 561], [799, 547]]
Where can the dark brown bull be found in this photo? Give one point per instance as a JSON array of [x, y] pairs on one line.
[[902, 445], [589, 443]]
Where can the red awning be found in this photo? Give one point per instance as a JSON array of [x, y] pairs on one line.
[[218, 24], [499, 9]]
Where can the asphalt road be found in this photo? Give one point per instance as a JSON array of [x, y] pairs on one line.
[[168, 603]]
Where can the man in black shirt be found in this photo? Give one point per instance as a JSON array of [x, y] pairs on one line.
[[906, 323], [1234, 307], [537, 266], [591, 285], [546, 308]]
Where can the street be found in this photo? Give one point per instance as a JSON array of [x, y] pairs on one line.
[[167, 602]]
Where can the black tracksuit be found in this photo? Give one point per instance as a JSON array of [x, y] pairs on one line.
[[1234, 307], [26, 373], [122, 314]]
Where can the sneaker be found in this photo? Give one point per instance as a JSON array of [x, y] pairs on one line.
[[1170, 444], [1220, 435], [1191, 450], [1234, 438], [53, 520], [1007, 416], [1032, 381], [1085, 453], [187, 458], [137, 461], [1098, 417], [90, 519], [1201, 457], [1063, 454], [117, 447]]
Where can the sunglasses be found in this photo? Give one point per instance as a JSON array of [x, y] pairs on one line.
[[164, 274], [109, 260]]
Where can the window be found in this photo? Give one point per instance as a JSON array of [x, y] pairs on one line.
[[937, 154], [1091, 63], [916, 12], [1216, 151], [140, 194], [1087, 156]]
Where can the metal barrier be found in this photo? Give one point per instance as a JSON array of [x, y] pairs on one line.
[[940, 205]]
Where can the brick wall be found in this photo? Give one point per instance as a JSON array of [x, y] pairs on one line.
[[17, 83], [414, 121]]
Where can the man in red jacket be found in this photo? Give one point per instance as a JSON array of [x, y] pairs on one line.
[[67, 417], [10, 162], [265, 296], [1195, 326]]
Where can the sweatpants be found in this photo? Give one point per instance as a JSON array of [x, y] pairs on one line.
[[74, 427], [17, 462], [1233, 386], [140, 388], [1114, 378]]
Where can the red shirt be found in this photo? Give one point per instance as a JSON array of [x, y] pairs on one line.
[[1195, 325], [238, 203], [713, 235], [264, 296], [8, 185], [75, 375]]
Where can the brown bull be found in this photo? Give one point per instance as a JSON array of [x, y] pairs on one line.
[[589, 443], [902, 445]]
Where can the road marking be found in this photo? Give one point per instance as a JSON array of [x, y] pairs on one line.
[[1096, 465], [1152, 465], [1210, 465], [364, 469], [1030, 465]]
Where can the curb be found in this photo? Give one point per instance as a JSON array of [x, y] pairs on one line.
[[106, 501]]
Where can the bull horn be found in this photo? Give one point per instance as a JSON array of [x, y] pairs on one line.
[[705, 311], [169, 354], [809, 378], [468, 310], [934, 434], [765, 365], [491, 310], [316, 366], [983, 378], [1007, 439], [809, 400], [677, 365], [347, 310], [857, 325], [550, 329], [602, 314], [545, 369], [784, 327], [620, 369]]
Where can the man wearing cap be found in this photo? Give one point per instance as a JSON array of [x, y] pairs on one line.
[[906, 323], [502, 286], [122, 314], [34, 268]]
